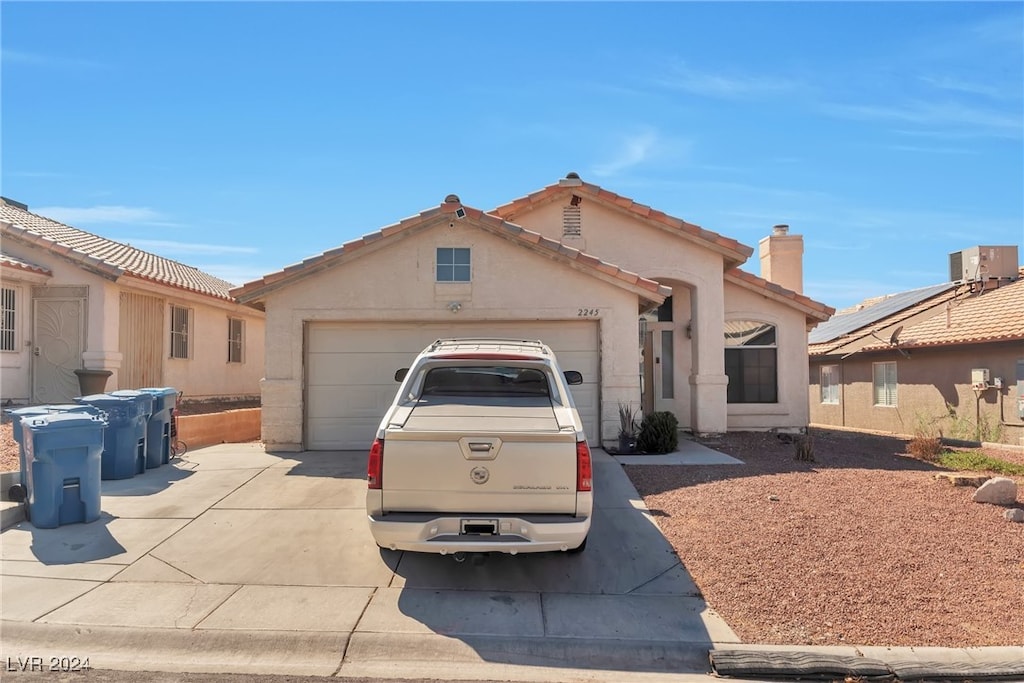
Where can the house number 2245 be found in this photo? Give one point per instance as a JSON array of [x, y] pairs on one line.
[[587, 312]]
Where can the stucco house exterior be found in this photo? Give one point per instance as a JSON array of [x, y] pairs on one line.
[[573, 265], [941, 360], [73, 300]]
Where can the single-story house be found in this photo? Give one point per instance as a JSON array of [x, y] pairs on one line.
[[71, 300], [573, 265], [941, 360]]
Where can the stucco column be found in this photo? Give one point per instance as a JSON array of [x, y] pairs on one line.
[[281, 389], [708, 381]]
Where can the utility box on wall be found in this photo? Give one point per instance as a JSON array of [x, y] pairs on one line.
[[979, 377]]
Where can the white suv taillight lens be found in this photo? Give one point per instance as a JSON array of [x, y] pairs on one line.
[[584, 467], [375, 465]]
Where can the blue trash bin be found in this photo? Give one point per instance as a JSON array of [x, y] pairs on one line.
[[63, 452], [124, 441], [158, 430], [18, 414], [144, 406]]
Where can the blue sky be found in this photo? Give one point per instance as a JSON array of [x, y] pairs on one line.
[[243, 137]]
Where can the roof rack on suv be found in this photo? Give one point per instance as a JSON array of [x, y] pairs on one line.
[[536, 343]]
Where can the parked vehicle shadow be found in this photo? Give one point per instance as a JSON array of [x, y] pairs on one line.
[[625, 603]]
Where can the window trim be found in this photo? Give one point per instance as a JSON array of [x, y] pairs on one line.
[[453, 252], [9, 313], [829, 393], [236, 344], [884, 401], [182, 337]]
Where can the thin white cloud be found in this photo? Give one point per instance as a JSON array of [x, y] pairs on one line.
[[102, 214], [932, 150], [934, 114], [10, 57], [968, 88], [172, 247], [729, 86], [634, 150]]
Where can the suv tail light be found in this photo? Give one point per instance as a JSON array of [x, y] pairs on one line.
[[584, 467], [375, 464]]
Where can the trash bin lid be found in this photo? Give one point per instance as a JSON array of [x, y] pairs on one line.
[[31, 410], [101, 399], [62, 421], [160, 391]]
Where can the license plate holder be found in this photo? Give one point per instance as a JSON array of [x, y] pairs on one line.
[[479, 527]]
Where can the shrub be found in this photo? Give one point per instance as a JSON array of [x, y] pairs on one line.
[[659, 433], [925, 447], [804, 446]]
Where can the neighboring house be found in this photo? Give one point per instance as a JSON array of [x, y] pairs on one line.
[[946, 359], [73, 300], [573, 265]]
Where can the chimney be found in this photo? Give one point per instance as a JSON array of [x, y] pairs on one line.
[[782, 258]]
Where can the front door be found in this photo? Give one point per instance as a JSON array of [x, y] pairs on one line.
[[57, 345]]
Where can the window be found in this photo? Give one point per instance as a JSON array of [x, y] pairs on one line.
[[236, 330], [7, 318], [452, 264], [181, 325], [830, 384], [751, 362], [884, 383]]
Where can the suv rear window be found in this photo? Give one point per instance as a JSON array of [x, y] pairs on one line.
[[485, 381]]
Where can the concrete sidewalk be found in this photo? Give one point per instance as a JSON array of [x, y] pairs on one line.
[[235, 560]]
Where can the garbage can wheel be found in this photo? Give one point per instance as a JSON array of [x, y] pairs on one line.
[[16, 493]]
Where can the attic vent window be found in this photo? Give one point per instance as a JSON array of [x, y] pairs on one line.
[[571, 219]]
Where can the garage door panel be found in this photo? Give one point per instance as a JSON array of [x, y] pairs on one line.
[[350, 370], [336, 402]]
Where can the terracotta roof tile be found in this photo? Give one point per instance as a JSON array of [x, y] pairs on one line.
[[252, 291], [114, 258], [816, 310], [994, 315], [734, 251], [8, 261]]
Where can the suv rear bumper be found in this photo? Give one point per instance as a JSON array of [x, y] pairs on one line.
[[442, 534]]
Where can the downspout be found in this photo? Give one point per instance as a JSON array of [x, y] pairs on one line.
[[842, 393]]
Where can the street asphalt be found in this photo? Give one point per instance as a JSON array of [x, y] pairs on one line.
[[238, 561]]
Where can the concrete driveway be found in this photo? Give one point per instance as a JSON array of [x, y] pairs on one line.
[[237, 560]]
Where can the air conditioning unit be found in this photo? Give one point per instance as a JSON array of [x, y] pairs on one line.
[[979, 378], [977, 264]]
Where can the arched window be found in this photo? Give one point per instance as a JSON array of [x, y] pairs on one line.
[[751, 362]]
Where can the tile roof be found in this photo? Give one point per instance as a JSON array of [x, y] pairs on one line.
[[993, 315], [649, 289], [735, 253], [8, 261], [815, 311], [872, 310], [104, 256], [954, 315]]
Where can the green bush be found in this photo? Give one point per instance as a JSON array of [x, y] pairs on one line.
[[659, 433]]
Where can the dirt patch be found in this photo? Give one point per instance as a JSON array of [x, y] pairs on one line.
[[862, 546]]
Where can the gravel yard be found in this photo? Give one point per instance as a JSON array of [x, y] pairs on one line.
[[863, 546]]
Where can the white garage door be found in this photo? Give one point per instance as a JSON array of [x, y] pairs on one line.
[[350, 370]]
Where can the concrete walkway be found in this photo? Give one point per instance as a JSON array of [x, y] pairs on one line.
[[240, 561]]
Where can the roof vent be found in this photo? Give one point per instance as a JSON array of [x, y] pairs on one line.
[[452, 199], [571, 180], [573, 175], [780, 230], [16, 205]]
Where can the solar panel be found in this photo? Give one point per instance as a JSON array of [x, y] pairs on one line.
[[841, 324]]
